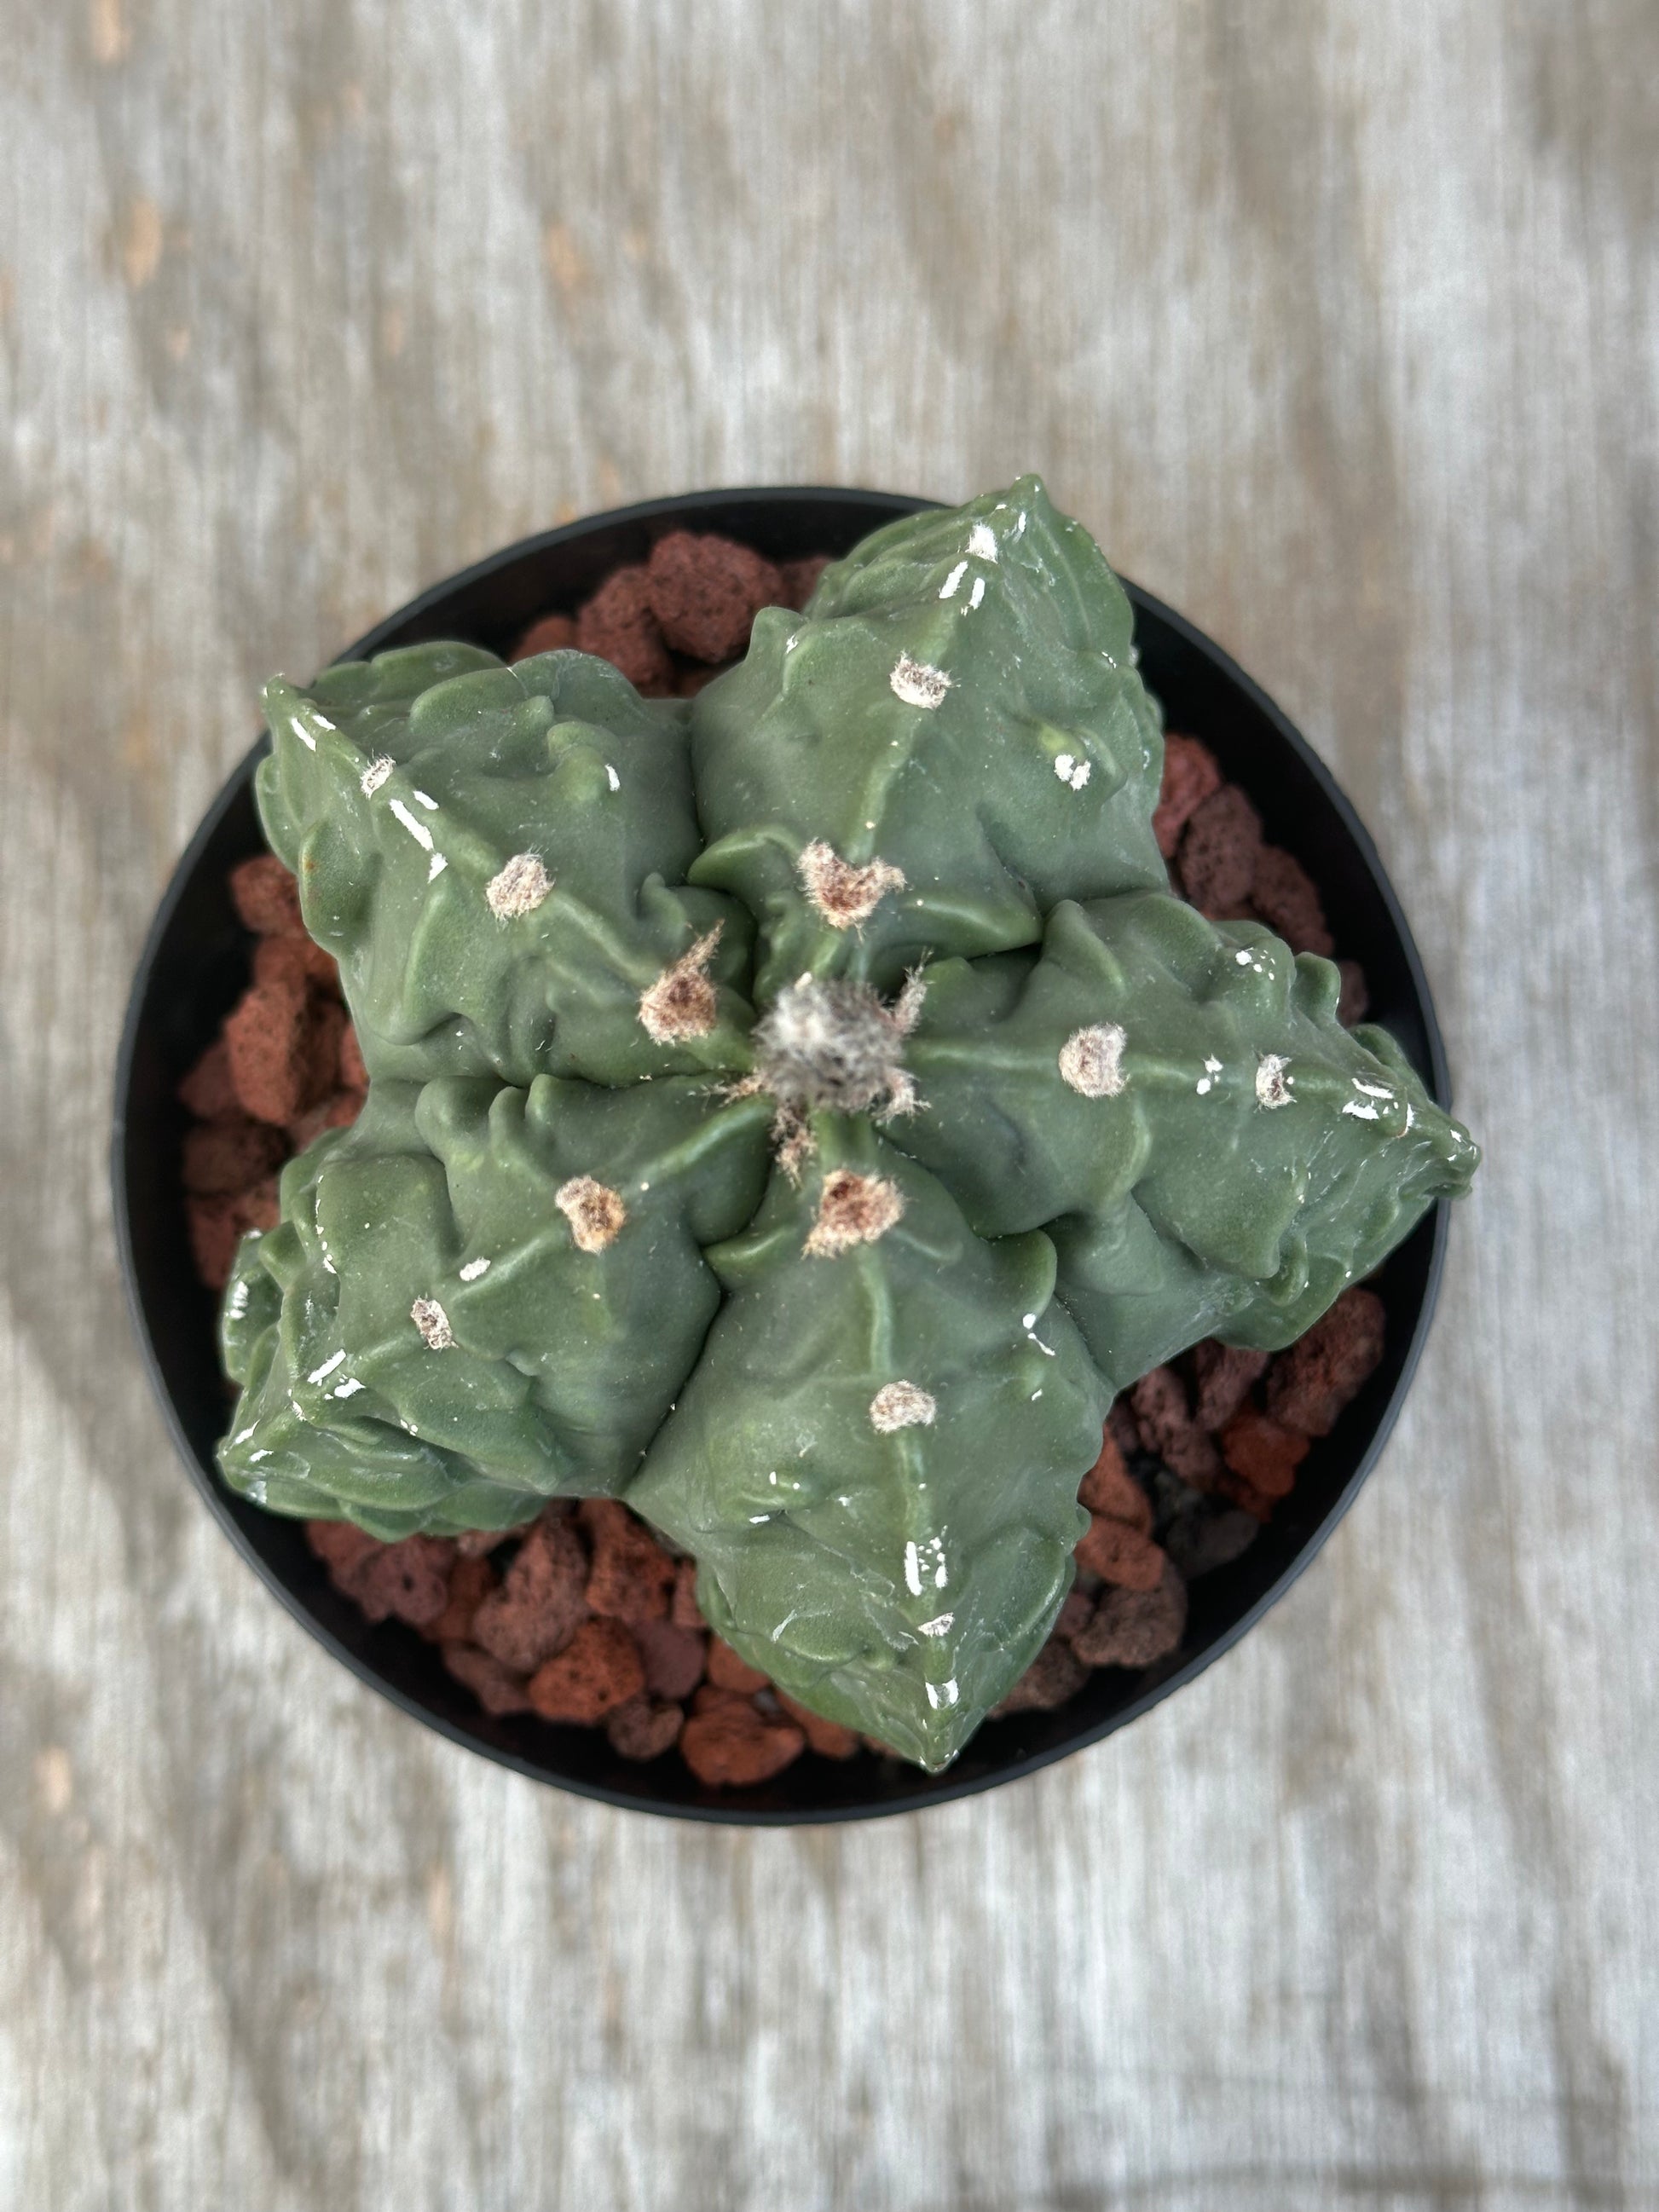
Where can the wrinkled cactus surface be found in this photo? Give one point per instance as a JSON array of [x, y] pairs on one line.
[[798, 1114]]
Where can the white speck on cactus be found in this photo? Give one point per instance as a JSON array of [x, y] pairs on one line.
[[941, 1694], [902, 1406], [417, 828], [1091, 1061], [853, 1209], [473, 1269], [1071, 772], [376, 773], [520, 888], [982, 541], [844, 895], [918, 684], [1242, 958], [439, 863], [1373, 1089], [430, 1317], [430, 805], [1361, 1113], [1273, 1085], [939, 1625], [595, 1213], [976, 595], [611, 777], [947, 590], [349, 1388], [321, 1374]]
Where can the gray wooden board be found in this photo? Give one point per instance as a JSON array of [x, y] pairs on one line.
[[1338, 322]]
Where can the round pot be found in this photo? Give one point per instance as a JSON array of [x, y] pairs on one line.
[[194, 966]]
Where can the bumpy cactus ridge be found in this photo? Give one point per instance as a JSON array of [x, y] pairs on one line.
[[1094, 1129]]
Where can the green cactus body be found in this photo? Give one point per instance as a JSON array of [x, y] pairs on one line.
[[671, 1186]]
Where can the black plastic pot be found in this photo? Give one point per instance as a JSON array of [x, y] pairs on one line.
[[195, 965]]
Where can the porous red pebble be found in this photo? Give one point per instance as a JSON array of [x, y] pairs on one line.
[[471, 1581], [222, 1157], [1119, 1554], [336, 1112], [1264, 1455], [284, 1046], [828, 1738], [683, 1610], [1224, 1375], [598, 1670], [1282, 892], [733, 1746], [1077, 1610], [1168, 1428], [299, 960], [1219, 850], [406, 1581], [674, 1658], [1110, 1488], [644, 1728], [618, 625], [1055, 1675], [727, 1671], [208, 1090], [1133, 1628], [798, 580], [541, 1599], [1190, 775], [266, 898], [217, 1227], [705, 591], [552, 633], [497, 1688], [632, 1578], [344, 1549], [1315, 1380]]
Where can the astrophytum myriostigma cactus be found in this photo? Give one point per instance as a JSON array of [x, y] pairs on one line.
[[798, 1115]]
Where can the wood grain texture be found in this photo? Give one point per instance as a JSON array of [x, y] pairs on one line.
[[1339, 323]]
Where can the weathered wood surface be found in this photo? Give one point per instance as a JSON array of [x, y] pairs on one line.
[[1339, 323]]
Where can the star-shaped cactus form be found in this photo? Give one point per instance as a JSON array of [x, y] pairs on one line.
[[797, 1114]]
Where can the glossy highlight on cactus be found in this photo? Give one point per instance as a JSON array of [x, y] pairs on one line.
[[798, 1113]]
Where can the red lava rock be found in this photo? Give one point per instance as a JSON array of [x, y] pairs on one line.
[[1208, 1534], [350, 1072], [1133, 1628], [217, 1227], [1219, 850], [338, 1112], [1354, 1000], [683, 1610], [706, 591], [1265, 1456], [541, 1599], [828, 1738], [735, 1746], [552, 633], [222, 1157], [1168, 1429], [266, 898], [1283, 894], [1312, 1382], [344, 1549], [709, 1697], [1225, 1374], [1119, 1554], [1077, 1611], [272, 1042], [618, 625], [598, 1670], [632, 1578], [1190, 775], [408, 1580], [1057, 1674], [675, 1658], [644, 1728], [798, 580], [1110, 1488], [476, 1543], [471, 1581], [208, 1092], [1122, 1427], [727, 1672], [497, 1688], [299, 960]]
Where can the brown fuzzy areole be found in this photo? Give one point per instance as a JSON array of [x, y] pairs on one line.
[[430, 1317], [844, 895], [853, 1209], [520, 888], [682, 1002], [1091, 1062], [595, 1213], [902, 1406]]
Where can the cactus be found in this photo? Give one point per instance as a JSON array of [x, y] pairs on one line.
[[799, 1117]]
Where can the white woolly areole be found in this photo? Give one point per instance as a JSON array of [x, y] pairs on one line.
[[430, 1317], [902, 1406], [1272, 1084], [843, 894], [376, 773], [520, 889], [918, 684], [1091, 1061], [594, 1212], [836, 1044]]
